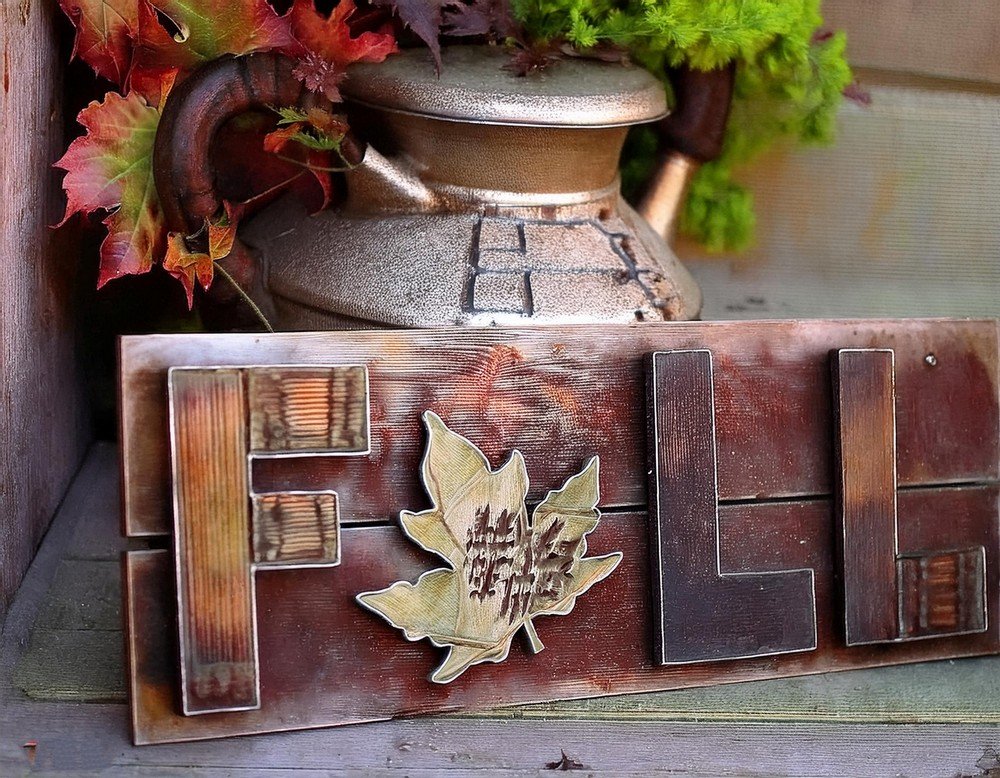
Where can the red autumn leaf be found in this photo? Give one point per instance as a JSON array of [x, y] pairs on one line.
[[330, 37], [110, 168], [200, 32], [105, 30], [188, 266], [329, 47]]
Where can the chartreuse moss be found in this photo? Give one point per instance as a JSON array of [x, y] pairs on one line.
[[788, 85]]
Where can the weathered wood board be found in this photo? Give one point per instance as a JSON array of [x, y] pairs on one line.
[[325, 660], [561, 396], [43, 421]]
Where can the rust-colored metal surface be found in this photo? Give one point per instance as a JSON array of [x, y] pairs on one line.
[[563, 396], [304, 410], [942, 594], [220, 420], [295, 527]]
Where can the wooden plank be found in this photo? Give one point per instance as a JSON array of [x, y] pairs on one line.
[[93, 487], [85, 595], [703, 612], [318, 618], [957, 692], [43, 428], [92, 738], [209, 444], [96, 476], [555, 394], [720, 734], [931, 37], [94, 675], [962, 692]]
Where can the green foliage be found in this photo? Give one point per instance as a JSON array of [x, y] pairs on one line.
[[306, 132], [788, 84]]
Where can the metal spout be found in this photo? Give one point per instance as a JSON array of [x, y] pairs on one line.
[[691, 135], [377, 183], [661, 204]]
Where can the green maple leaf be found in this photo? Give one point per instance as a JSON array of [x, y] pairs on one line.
[[503, 571]]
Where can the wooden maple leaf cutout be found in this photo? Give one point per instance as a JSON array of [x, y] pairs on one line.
[[503, 571]]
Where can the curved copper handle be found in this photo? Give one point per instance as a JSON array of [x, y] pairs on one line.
[[690, 136], [194, 113]]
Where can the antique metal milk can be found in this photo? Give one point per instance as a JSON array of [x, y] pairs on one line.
[[478, 197]]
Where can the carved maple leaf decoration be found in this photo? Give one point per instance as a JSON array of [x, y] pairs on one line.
[[503, 571]]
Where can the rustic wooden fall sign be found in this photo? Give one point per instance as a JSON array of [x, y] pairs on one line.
[[350, 526]]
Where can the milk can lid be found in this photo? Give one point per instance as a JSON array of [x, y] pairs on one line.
[[475, 87]]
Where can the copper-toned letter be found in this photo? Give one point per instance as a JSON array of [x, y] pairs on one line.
[[702, 613], [220, 419], [890, 596], [218, 634]]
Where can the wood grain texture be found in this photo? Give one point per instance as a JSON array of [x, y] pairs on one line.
[[47, 675], [83, 739], [866, 444], [43, 429], [84, 596], [701, 610], [209, 447], [319, 619], [830, 724], [930, 37], [557, 396]]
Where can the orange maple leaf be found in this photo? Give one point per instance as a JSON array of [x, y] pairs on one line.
[[188, 266]]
